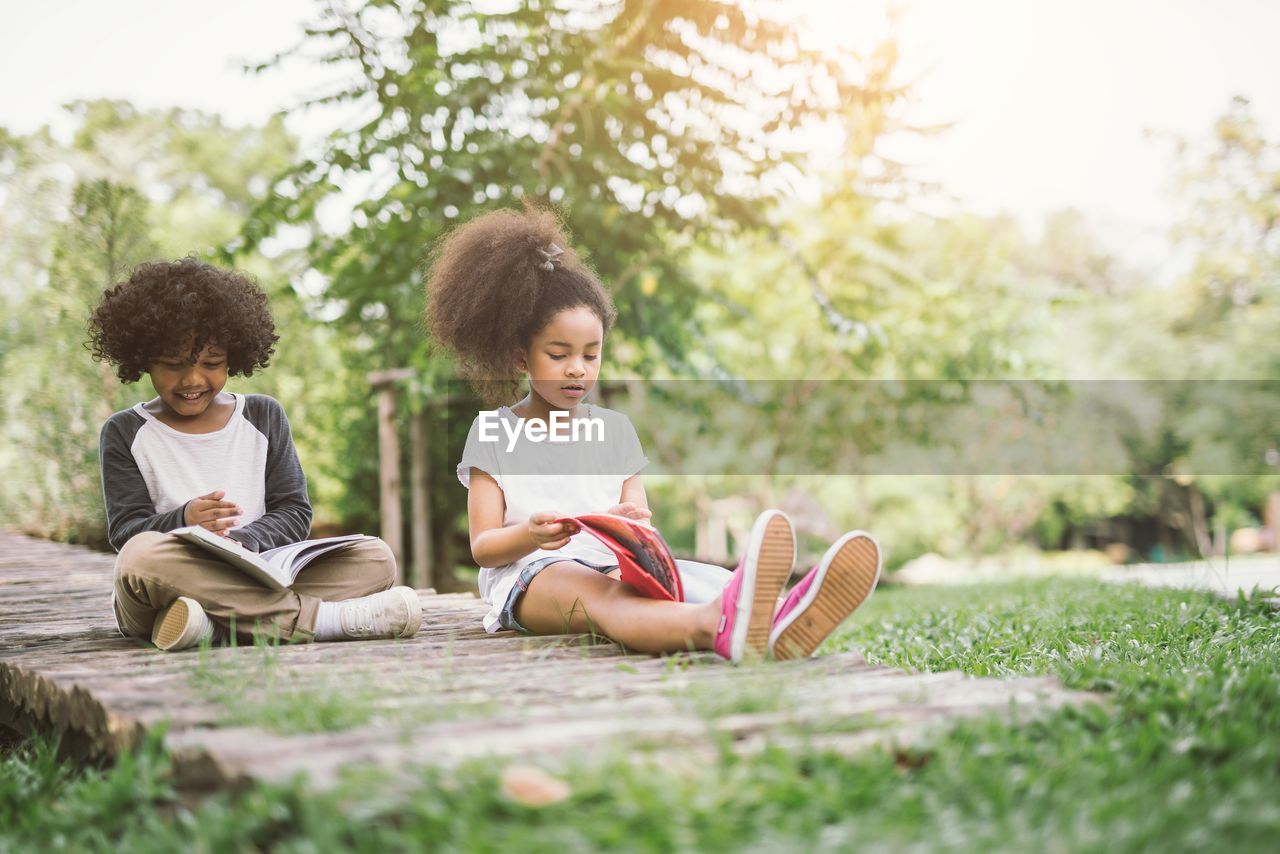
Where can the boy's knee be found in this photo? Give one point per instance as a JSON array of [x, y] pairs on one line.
[[387, 562], [380, 559], [142, 553]]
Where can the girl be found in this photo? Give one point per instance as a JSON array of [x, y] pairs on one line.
[[509, 297]]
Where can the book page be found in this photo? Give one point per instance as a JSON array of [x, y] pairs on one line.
[[292, 558], [252, 565]]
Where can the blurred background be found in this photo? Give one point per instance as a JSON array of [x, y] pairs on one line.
[[816, 190]]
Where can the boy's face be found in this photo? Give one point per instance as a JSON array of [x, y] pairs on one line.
[[563, 361], [187, 388]]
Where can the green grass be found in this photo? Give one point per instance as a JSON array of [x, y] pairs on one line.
[[257, 688], [1183, 756]]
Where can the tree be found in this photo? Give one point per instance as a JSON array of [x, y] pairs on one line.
[[1229, 310], [56, 398], [649, 120], [1201, 464], [1232, 223]]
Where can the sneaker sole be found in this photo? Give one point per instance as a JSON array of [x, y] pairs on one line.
[[179, 626], [849, 572], [773, 542], [415, 612]]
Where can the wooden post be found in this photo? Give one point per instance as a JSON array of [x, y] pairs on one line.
[[420, 504], [389, 478], [711, 533], [389, 464], [1271, 520]]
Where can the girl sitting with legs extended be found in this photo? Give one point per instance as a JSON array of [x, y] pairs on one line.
[[509, 297]]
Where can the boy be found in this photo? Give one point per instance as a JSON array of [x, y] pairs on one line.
[[197, 455]]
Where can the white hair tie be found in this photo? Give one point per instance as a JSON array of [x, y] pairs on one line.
[[549, 256]]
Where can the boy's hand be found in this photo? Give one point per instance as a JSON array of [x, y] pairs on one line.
[[546, 532], [632, 511], [211, 512]]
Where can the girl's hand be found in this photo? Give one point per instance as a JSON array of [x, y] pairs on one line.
[[632, 511], [546, 532], [211, 512]]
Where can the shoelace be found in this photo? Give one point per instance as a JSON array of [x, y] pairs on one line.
[[361, 618]]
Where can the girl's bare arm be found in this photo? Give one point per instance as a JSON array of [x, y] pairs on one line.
[[633, 503], [493, 544]]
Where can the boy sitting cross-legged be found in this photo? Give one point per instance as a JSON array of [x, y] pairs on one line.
[[198, 455]]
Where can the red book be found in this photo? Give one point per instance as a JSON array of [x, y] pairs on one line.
[[643, 556]]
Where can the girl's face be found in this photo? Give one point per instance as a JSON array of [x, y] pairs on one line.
[[563, 360], [188, 389]]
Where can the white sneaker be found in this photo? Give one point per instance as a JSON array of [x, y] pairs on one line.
[[394, 613], [182, 625]]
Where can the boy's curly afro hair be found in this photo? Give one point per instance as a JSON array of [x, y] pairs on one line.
[[165, 303], [489, 291]]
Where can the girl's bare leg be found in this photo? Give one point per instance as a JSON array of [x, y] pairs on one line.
[[568, 597]]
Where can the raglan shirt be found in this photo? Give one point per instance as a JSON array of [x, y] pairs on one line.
[[150, 471], [573, 478]]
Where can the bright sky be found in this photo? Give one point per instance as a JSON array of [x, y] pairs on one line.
[[1051, 100]]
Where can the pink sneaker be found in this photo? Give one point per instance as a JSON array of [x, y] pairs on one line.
[[749, 598], [832, 590]]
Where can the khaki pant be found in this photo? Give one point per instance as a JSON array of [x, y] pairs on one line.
[[153, 569]]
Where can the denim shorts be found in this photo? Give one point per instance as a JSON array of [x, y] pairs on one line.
[[507, 616]]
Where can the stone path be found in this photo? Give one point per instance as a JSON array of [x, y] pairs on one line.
[[453, 693], [1226, 578], [1220, 576]]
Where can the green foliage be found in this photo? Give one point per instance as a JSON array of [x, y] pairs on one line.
[[1217, 326], [182, 155], [262, 693], [107, 236], [56, 398], [1231, 294], [940, 302], [642, 118], [46, 803], [1227, 306], [258, 687]]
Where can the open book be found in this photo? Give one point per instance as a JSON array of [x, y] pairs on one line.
[[276, 568], [643, 556]]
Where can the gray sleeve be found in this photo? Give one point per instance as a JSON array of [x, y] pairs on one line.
[[130, 509], [288, 516]]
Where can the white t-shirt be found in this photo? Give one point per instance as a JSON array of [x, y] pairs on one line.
[[179, 466], [570, 477]]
